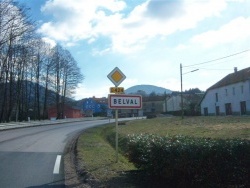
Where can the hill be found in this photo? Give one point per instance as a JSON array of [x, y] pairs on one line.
[[147, 90]]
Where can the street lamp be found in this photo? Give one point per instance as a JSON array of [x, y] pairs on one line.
[[182, 112]]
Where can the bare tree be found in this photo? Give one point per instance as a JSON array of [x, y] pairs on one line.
[[13, 26], [67, 76], [46, 77], [71, 77], [27, 65]]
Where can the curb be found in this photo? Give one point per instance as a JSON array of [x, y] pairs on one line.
[[15, 125]]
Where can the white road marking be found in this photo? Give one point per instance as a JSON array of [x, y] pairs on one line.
[[57, 164]]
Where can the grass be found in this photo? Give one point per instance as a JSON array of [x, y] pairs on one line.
[[99, 156], [213, 127]]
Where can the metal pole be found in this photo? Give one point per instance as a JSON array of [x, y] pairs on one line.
[[116, 134], [182, 112]]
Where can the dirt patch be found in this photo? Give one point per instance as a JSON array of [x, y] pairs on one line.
[[231, 127], [75, 174]]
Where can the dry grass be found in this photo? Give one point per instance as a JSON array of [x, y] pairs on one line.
[[98, 155], [213, 127]]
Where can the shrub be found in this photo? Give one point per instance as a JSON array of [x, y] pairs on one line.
[[187, 161], [150, 116]]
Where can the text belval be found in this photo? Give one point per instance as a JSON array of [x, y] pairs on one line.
[[125, 101]]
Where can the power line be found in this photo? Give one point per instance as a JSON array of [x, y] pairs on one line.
[[215, 69], [205, 68], [218, 58]]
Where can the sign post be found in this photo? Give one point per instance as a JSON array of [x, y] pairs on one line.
[[116, 135], [116, 77], [121, 101]]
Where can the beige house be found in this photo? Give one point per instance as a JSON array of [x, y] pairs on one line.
[[150, 105], [153, 104], [174, 103], [190, 104]]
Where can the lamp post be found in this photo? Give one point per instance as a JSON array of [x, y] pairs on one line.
[[182, 111]]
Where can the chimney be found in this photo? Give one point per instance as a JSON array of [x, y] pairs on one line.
[[235, 69]]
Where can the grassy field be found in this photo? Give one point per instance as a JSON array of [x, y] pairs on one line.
[[98, 156]]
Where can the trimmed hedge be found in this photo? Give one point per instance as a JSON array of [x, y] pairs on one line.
[[192, 162]]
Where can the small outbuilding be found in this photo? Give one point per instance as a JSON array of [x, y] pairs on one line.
[[66, 112]]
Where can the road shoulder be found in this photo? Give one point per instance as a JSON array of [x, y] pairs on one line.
[[75, 174]]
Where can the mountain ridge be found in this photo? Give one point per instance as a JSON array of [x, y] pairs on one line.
[[147, 89]]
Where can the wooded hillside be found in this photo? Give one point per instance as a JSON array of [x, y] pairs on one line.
[[26, 58]]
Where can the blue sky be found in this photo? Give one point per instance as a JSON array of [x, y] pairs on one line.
[[147, 39]]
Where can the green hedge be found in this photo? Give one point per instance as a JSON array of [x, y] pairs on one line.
[[192, 162]]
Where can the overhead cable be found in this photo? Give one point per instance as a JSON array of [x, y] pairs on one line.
[[218, 58]]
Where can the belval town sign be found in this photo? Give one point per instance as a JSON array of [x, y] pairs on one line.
[[125, 101]]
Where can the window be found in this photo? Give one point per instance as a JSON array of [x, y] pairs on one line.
[[242, 89], [217, 110], [226, 91], [243, 108], [233, 91], [206, 111], [153, 107], [228, 108], [216, 97]]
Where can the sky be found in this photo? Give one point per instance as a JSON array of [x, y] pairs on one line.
[[148, 40]]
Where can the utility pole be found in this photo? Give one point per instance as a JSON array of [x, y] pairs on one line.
[[182, 112]]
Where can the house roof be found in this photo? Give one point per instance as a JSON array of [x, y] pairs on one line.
[[102, 100], [237, 76], [153, 98]]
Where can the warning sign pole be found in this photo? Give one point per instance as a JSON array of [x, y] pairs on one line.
[[116, 134], [120, 101], [116, 76]]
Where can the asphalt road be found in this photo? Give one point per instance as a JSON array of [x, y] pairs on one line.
[[32, 157]]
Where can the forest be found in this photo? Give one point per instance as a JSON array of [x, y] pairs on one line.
[[34, 75]]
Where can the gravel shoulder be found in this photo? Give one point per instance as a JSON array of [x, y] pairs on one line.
[[75, 174]]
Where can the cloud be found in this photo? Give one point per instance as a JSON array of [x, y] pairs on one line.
[[96, 52], [181, 47], [91, 20], [83, 92], [235, 30], [52, 43], [128, 82], [170, 83], [165, 9], [75, 19]]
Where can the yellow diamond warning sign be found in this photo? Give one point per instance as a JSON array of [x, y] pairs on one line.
[[116, 76]]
